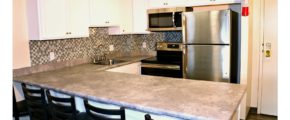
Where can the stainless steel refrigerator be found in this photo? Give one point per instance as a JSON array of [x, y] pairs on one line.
[[207, 46]]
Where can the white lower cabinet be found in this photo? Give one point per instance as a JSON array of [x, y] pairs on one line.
[[130, 114], [134, 68], [137, 115]]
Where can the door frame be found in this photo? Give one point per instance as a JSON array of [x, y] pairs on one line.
[[261, 52]]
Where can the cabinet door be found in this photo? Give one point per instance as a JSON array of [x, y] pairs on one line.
[[210, 2], [176, 3], [166, 3], [78, 18], [52, 19], [126, 18], [140, 18], [104, 12], [134, 68], [156, 3]]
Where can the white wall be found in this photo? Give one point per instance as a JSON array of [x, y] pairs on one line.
[[21, 55]]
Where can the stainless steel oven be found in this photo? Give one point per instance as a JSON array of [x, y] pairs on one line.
[[167, 63]]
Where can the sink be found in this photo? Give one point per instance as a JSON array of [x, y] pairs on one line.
[[108, 62]]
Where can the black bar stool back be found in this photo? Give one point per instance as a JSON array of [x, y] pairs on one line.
[[19, 108], [96, 113], [36, 103], [62, 108]]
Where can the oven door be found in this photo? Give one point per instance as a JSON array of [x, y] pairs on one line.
[[165, 70]]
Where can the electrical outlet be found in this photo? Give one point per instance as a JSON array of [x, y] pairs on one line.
[[51, 56], [144, 45], [111, 48]]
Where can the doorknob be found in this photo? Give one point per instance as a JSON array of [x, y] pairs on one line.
[[267, 50]]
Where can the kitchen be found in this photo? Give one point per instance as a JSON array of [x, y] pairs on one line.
[[105, 39]]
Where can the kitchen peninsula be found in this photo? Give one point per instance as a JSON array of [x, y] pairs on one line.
[[178, 98]]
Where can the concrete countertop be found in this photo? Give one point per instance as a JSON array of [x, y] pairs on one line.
[[180, 98]]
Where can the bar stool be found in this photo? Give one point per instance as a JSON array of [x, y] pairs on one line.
[[36, 103], [19, 108], [63, 108], [95, 113]]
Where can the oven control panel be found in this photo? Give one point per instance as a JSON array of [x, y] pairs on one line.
[[163, 46]]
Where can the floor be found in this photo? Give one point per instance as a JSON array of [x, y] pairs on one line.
[[254, 116]]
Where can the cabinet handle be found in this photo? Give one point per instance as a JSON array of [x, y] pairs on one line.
[[66, 33], [123, 30]]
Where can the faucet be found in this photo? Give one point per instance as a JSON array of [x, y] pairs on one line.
[[99, 57]]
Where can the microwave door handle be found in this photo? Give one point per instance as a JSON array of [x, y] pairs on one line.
[[173, 19]]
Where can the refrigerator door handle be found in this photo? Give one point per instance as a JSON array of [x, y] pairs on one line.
[[184, 61], [184, 30]]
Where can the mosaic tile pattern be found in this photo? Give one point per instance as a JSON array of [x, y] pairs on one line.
[[97, 44], [173, 36]]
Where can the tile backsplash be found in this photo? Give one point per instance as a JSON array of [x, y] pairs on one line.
[[97, 44]]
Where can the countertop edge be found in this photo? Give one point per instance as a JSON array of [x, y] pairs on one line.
[[124, 104]]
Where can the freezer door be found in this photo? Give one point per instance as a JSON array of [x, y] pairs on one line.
[[207, 62], [207, 27]]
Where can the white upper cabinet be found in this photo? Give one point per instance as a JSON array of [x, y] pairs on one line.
[[210, 2], [153, 4], [104, 13], [165, 3], [78, 18], [132, 19], [140, 17], [57, 19], [126, 17]]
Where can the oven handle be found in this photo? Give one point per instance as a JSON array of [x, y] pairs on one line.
[[161, 66]]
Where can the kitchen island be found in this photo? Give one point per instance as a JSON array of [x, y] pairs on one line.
[[178, 98]]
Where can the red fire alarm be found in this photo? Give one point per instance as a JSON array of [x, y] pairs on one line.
[[245, 11]]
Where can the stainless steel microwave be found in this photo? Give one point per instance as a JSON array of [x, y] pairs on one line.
[[166, 19]]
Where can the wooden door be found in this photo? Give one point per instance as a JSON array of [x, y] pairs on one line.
[[268, 72]]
